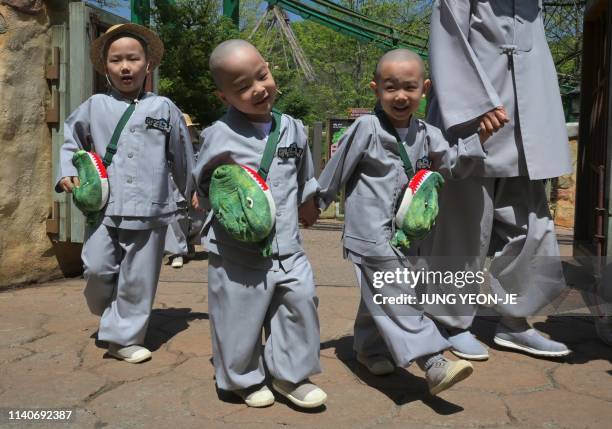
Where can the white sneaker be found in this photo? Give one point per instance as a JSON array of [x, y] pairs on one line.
[[303, 394], [130, 354], [177, 262], [256, 398]]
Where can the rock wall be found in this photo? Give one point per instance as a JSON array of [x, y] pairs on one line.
[[26, 252]]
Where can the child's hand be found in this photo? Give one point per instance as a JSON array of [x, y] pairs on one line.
[[491, 122], [69, 182], [484, 135], [195, 202], [494, 120], [308, 213]]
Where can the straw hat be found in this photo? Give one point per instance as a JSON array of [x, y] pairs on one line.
[[155, 47], [188, 120]]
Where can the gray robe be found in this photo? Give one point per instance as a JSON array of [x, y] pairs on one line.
[[485, 54], [122, 255], [368, 163], [248, 292]]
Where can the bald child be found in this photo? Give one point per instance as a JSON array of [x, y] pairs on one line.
[[369, 163], [246, 290]]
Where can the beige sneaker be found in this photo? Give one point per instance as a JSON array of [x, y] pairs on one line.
[[256, 398], [130, 354], [303, 394], [444, 374], [376, 364]]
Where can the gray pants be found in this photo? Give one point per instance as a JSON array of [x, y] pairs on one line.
[[242, 301], [122, 270], [177, 236], [509, 220], [399, 329]]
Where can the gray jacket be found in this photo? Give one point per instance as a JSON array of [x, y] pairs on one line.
[[233, 139], [368, 162], [148, 151]]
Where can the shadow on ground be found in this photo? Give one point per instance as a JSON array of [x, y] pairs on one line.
[[401, 386]]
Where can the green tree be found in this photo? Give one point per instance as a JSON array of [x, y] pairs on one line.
[[190, 30]]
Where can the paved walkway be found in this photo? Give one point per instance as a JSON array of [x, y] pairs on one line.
[[49, 359]]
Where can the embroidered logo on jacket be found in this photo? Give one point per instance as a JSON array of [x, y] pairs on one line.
[[160, 124], [423, 163], [293, 151]]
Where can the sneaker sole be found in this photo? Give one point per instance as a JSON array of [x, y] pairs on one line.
[[531, 351], [131, 360], [384, 371], [468, 356], [458, 374], [296, 401]]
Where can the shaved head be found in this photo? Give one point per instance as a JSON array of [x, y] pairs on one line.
[[225, 50], [399, 55]]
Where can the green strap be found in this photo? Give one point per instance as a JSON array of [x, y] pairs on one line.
[[387, 125], [111, 149], [270, 149]]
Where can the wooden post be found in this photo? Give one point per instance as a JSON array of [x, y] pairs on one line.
[[317, 139]]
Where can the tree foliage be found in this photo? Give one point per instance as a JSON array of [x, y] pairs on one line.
[[190, 30], [343, 66]]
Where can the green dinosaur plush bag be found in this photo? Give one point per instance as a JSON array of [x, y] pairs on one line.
[[417, 208], [241, 199], [92, 194], [417, 205], [242, 202]]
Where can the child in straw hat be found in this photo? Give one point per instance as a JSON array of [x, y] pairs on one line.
[[123, 251]]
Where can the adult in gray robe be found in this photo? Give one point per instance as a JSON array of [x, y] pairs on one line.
[[486, 55]]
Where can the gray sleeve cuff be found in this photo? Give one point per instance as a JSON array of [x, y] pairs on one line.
[[309, 189], [472, 147]]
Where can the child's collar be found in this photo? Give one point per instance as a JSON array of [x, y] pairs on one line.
[[118, 95]]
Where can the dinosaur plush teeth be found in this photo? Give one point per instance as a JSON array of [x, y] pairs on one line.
[[264, 187], [92, 194], [409, 192]]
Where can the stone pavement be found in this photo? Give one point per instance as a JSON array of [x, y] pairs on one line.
[[49, 359]]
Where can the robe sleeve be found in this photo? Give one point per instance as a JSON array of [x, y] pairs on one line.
[[307, 184], [76, 137], [456, 161], [181, 153], [462, 88], [343, 162]]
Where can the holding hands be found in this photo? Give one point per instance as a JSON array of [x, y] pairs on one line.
[[491, 122], [308, 213]]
